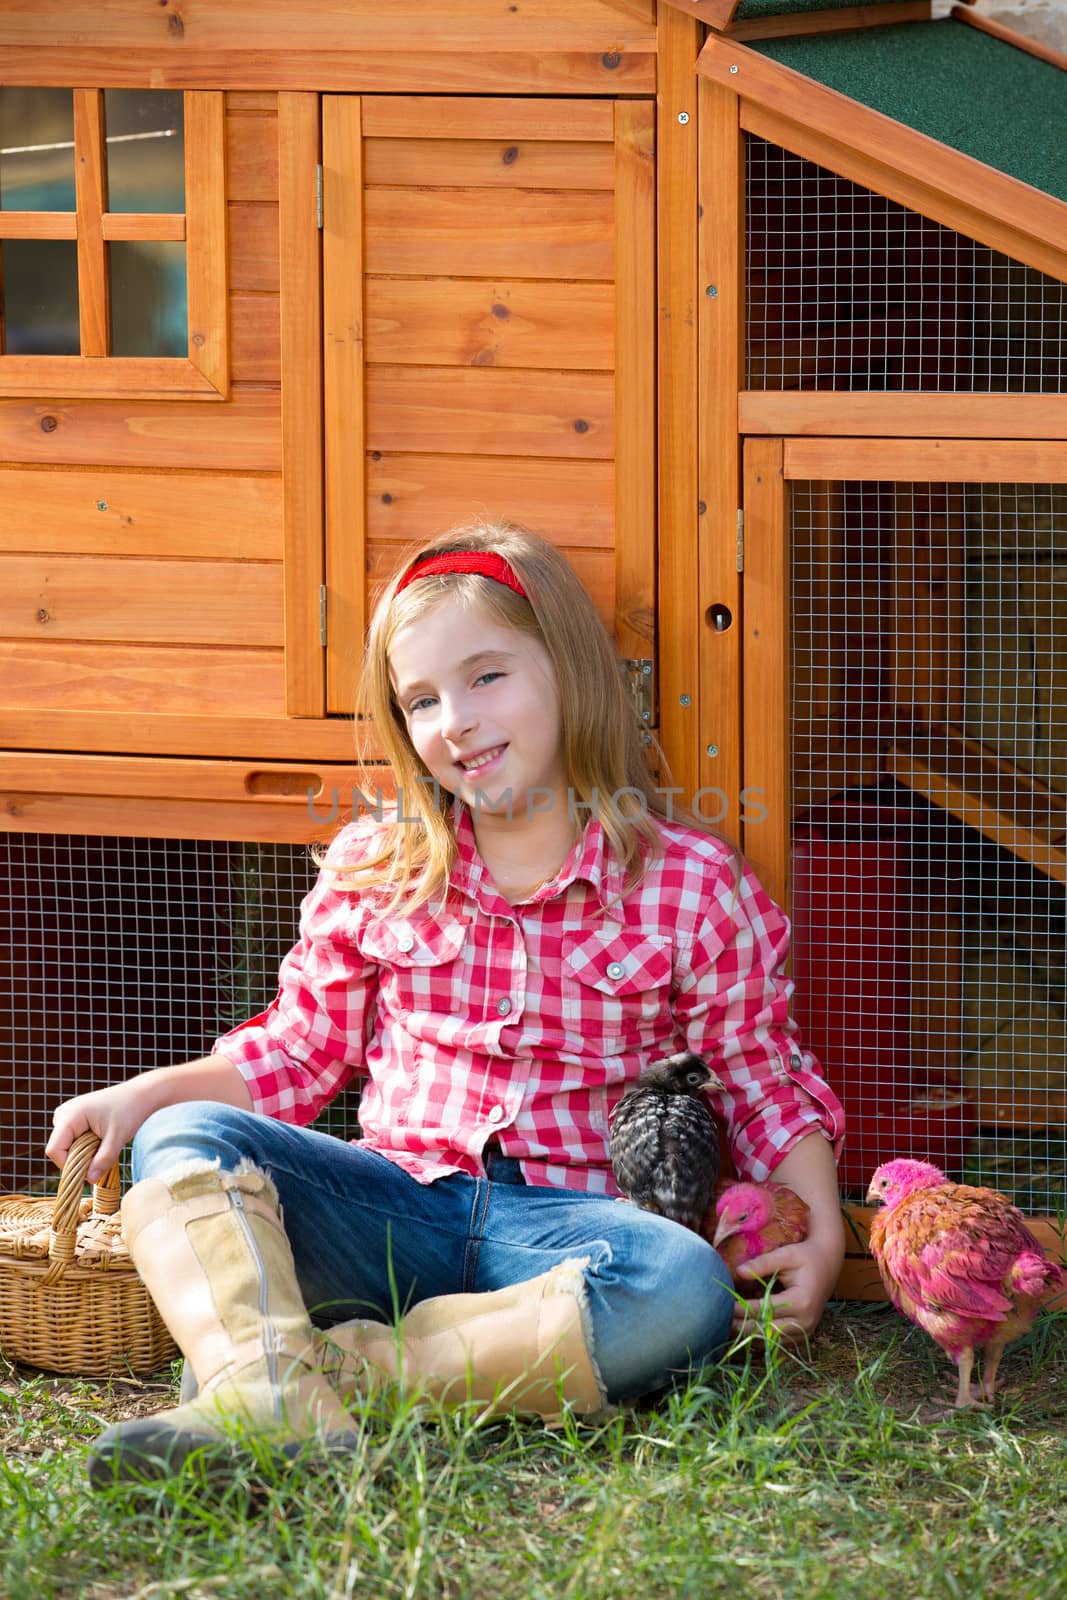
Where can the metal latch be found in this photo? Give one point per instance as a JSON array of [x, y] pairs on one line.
[[641, 684]]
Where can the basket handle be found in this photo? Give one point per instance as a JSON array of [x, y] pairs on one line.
[[65, 1214]]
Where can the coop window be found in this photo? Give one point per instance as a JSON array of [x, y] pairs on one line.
[[124, 954], [929, 822], [112, 232], [848, 290]]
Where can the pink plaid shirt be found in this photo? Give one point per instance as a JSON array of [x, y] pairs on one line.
[[525, 1023]]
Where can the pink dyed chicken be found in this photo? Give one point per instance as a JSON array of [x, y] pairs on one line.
[[752, 1218], [960, 1262]]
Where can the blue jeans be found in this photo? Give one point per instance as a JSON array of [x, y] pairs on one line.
[[370, 1241]]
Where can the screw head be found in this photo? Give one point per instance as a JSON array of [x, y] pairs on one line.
[[733, 69], [711, 750], [685, 700], [711, 291], [101, 505], [683, 116]]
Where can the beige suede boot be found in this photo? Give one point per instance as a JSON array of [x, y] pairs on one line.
[[213, 1254], [525, 1348]]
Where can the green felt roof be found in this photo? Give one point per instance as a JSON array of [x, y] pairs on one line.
[[783, 8], [978, 94]]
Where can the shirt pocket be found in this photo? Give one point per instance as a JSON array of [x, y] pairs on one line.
[[418, 966], [616, 989]]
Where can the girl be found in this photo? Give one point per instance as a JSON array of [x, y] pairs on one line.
[[499, 956]]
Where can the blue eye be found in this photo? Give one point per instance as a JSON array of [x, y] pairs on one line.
[[487, 677], [417, 705]]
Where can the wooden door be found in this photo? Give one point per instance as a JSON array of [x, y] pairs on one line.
[[489, 321]]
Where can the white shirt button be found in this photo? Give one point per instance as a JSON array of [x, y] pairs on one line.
[[405, 941], [504, 1007], [615, 969], [497, 1114]]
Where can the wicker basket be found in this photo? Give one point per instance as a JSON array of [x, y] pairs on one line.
[[70, 1297]]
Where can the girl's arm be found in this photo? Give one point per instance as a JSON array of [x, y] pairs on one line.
[[732, 1001], [287, 1062], [116, 1113], [808, 1271]]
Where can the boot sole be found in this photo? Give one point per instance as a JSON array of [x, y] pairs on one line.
[[143, 1453]]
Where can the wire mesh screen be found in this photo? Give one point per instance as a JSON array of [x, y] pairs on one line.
[[848, 290], [122, 954], [929, 847]]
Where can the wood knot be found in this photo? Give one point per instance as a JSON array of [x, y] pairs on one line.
[[581, 426], [611, 59], [511, 155], [49, 424]]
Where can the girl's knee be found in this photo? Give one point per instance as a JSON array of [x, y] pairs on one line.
[[662, 1307], [195, 1130], [695, 1283]]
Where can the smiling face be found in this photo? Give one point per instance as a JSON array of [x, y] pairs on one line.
[[481, 706]]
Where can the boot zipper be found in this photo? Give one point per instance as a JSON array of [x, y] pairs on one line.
[[270, 1334]]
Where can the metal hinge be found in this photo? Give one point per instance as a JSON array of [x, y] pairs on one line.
[[318, 195], [641, 684], [322, 615], [740, 541]]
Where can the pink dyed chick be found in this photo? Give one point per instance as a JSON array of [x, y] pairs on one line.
[[752, 1218], [960, 1262]]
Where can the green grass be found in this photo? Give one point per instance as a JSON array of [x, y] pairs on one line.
[[824, 1474]]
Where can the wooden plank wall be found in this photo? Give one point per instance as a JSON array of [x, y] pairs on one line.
[[140, 550], [455, 47], [489, 252]]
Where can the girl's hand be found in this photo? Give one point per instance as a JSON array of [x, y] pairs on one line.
[[806, 1274], [114, 1114]]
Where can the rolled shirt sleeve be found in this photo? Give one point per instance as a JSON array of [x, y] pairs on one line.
[[298, 1054], [732, 1004]]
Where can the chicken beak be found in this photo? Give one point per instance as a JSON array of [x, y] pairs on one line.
[[724, 1231], [873, 1196]]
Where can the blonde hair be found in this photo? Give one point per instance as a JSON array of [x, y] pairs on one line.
[[603, 744]]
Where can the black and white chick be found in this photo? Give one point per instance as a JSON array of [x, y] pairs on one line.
[[664, 1143]]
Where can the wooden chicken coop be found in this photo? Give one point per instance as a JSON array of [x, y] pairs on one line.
[[756, 309]]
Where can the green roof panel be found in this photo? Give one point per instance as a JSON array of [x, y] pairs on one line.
[[975, 93], [784, 8]]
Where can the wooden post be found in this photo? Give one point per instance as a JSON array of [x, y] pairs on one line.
[[720, 322], [301, 366], [767, 750], [346, 433], [679, 577], [635, 378]]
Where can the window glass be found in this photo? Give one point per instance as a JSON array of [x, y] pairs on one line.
[[148, 298], [40, 297], [36, 150], [145, 149]]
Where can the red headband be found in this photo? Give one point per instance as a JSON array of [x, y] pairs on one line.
[[484, 562]]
